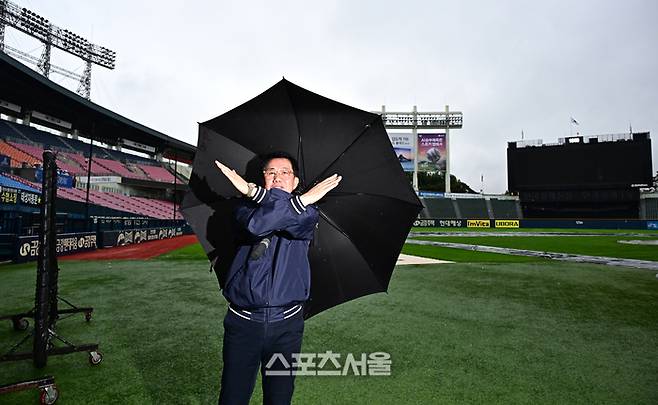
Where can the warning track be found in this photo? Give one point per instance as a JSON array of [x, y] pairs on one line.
[[140, 251]]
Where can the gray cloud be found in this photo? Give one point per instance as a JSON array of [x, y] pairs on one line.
[[507, 65]]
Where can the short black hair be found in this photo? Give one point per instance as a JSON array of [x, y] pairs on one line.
[[280, 155]]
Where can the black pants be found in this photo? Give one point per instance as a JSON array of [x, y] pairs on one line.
[[250, 345]]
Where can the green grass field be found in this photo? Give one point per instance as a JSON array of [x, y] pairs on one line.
[[586, 245], [488, 329]]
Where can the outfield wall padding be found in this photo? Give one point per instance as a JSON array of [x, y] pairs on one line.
[[27, 247], [536, 223]]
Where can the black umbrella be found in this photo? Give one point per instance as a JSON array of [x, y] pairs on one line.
[[363, 222]]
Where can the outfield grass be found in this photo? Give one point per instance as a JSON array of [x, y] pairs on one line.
[[538, 332], [586, 245], [192, 252]]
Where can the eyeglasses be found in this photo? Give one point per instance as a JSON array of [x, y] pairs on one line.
[[280, 173]]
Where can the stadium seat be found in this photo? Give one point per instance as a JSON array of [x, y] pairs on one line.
[[505, 209], [18, 157], [157, 173], [473, 208]]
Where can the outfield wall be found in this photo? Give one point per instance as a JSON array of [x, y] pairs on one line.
[[19, 249], [478, 223]]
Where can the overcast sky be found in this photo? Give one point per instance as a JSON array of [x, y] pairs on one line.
[[507, 65]]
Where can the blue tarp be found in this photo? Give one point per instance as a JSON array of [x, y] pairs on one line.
[[7, 182]]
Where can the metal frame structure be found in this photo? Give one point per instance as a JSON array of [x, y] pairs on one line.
[[46, 312], [46, 385], [51, 35], [415, 120]]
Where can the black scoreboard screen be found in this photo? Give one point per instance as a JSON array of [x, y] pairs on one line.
[[577, 164]]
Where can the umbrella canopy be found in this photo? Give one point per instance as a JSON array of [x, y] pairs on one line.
[[363, 222]]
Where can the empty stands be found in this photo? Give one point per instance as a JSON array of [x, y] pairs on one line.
[[473, 208], [438, 208], [96, 168], [505, 209], [157, 173], [146, 207], [37, 152], [18, 157], [470, 208], [25, 146], [27, 134]]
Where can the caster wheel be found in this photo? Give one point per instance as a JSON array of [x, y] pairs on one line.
[[20, 323], [95, 358], [87, 316], [49, 395]]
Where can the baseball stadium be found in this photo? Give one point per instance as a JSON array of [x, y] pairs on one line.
[[547, 293]]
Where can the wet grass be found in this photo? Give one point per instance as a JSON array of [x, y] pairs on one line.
[[585, 245], [466, 256], [497, 332]]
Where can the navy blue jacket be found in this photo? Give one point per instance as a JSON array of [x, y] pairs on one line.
[[281, 276]]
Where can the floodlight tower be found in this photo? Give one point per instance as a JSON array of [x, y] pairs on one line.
[[415, 120], [51, 35]]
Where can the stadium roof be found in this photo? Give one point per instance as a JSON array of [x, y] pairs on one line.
[[34, 92]]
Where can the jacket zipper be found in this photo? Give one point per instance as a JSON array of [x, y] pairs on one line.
[[271, 285], [275, 256]]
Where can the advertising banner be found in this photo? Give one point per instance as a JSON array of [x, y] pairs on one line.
[[507, 223], [63, 179], [431, 152], [27, 247], [9, 195], [403, 147], [478, 223], [134, 236], [538, 223], [431, 194], [439, 223], [29, 198], [99, 179]]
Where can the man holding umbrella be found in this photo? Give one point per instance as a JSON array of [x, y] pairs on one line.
[[268, 280], [259, 246]]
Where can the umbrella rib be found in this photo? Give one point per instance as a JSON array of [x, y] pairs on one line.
[[346, 149], [300, 150]]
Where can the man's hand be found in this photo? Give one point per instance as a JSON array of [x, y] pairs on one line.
[[238, 182], [320, 190]]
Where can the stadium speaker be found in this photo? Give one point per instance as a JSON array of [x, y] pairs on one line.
[[641, 136]]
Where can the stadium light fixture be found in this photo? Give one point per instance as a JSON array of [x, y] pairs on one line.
[[49, 34]]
